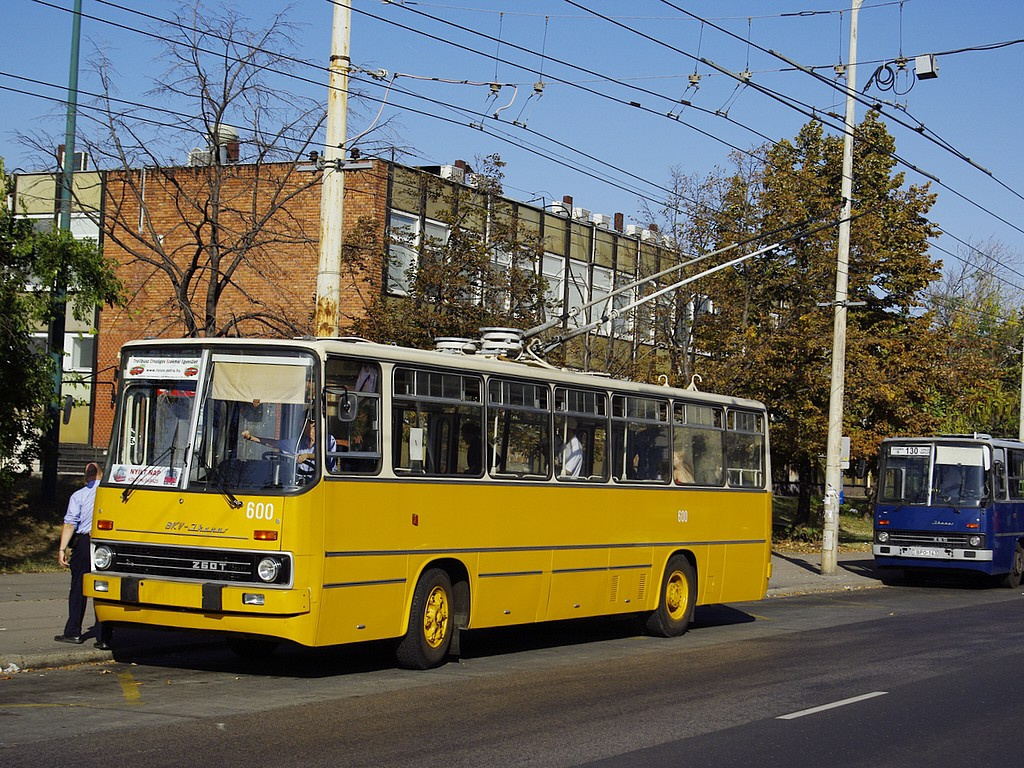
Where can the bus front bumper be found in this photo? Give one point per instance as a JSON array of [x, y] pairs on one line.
[[134, 592], [932, 553]]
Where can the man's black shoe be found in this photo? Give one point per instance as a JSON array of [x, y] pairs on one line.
[[102, 646], [73, 639]]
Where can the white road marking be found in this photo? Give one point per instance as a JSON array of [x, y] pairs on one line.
[[833, 705]]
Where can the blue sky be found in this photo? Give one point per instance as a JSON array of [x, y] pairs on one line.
[[642, 52]]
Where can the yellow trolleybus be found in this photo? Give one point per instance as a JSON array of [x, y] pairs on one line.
[[333, 491]]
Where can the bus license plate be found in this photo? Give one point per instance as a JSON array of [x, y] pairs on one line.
[[924, 552]]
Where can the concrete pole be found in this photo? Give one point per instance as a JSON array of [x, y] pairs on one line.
[[833, 470], [332, 195]]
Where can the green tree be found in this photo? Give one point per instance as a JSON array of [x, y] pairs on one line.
[[31, 265], [977, 320], [481, 272], [770, 338]]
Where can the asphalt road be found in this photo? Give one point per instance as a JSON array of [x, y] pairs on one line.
[[920, 675]]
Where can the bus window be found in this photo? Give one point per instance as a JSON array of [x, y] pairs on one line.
[[518, 429], [698, 444], [151, 449], [999, 474], [744, 450], [257, 424], [905, 474], [353, 416], [960, 474], [640, 439], [1015, 471], [429, 409], [581, 434]]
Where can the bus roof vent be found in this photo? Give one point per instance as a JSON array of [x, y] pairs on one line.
[[455, 345], [506, 342]]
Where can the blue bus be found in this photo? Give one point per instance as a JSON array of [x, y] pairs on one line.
[[951, 502]]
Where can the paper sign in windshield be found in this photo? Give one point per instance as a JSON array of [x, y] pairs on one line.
[[149, 475], [147, 367]]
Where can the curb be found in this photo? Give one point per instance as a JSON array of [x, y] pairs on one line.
[[36, 661]]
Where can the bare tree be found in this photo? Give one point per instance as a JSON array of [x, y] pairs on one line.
[[699, 216], [205, 196]]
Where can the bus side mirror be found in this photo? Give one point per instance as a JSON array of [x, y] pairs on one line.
[[348, 404]]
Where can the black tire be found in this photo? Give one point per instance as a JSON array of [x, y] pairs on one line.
[[1016, 574], [676, 600], [429, 635], [252, 649]]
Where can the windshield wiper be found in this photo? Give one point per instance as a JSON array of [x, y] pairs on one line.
[[135, 483], [214, 477]]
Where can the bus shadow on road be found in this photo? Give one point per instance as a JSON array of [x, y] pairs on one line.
[[719, 616], [295, 661]]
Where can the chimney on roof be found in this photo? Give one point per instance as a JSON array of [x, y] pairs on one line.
[[619, 223], [567, 201]]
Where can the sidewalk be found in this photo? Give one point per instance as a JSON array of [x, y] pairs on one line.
[[33, 608]]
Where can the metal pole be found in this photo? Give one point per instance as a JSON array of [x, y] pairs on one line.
[[332, 194], [1020, 428], [55, 336], [833, 470]]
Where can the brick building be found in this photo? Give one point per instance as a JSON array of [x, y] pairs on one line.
[[245, 239]]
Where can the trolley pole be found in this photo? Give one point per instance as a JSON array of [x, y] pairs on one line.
[[833, 470], [332, 195]]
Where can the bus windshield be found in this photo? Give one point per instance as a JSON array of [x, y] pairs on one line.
[[221, 422], [938, 474], [151, 439]]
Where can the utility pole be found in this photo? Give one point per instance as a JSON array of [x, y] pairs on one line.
[[332, 195], [55, 335], [1020, 426], [833, 470]]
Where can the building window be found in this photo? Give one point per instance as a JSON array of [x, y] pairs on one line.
[[409, 234], [82, 352]]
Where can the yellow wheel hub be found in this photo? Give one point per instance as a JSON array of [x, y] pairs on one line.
[[676, 595], [435, 617]]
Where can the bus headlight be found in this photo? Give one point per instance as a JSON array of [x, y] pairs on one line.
[[268, 569], [975, 541], [883, 536], [102, 557]]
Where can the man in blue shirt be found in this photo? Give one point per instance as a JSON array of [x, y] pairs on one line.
[[75, 534]]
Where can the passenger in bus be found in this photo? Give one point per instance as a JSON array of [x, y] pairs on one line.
[[366, 381], [682, 472], [647, 456], [474, 448], [572, 454]]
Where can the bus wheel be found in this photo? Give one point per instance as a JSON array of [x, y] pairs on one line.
[[677, 598], [1016, 574], [429, 635]]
